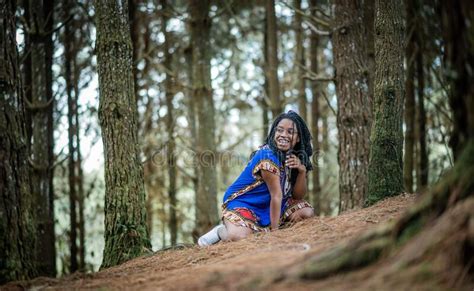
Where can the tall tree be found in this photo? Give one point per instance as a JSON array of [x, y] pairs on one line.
[[457, 18], [352, 88], [369, 15], [422, 180], [72, 144], [408, 160], [151, 181], [171, 151], [192, 118], [17, 233], [300, 61], [386, 141], [315, 113], [266, 96], [40, 108], [272, 59], [79, 177], [134, 20], [206, 199], [126, 234]]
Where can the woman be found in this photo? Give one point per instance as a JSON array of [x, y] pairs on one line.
[[270, 190]]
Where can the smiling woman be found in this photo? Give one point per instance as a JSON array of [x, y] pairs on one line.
[[269, 192]]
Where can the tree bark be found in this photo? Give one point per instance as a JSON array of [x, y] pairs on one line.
[[206, 200], [408, 160], [458, 53], [192, 118], [422, 180], [352, 88], [315, 115], [134, 20], [79, 174], [276, 105], [171, 152], [71, 105], [150, 168], [300, 62], [17, 226], [266, 95], [386, 166], [369, 15], [126, 234], [40, 24]]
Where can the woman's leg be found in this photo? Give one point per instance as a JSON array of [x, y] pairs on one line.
[[233, 232], [301, 214]]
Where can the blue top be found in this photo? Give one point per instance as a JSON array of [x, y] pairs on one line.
[[250, 191]]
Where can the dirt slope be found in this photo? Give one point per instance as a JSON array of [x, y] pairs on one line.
[[246, 264]]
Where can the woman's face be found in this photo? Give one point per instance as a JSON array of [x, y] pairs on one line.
[[286, 135]]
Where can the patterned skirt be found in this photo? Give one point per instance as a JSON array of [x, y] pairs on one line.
[[242, 216]]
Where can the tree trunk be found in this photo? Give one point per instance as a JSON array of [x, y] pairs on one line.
[[458, 56], [71, 105], [265, 119], [26, 70], [315, 115], [352, 88], [126, 235], [369, 15], [266, 95], [79, 174], [192, 119], [134, 20], [422, 180], [49, 255], [300, 63], [148, 124], [272, 61], [17, 232], [40, 24], [386, 166], [206, 200], [171, 155], [409, 99]]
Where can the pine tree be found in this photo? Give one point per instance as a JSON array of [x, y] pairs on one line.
[[352, 88], [126, 234], [17, 232], [39, 28], [206, 196], [386, 166]]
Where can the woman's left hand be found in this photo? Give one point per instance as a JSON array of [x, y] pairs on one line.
[[293, 162]]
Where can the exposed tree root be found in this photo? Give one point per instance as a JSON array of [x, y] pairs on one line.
[[454, 189]]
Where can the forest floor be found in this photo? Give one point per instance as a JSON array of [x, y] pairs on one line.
[[255, 262]]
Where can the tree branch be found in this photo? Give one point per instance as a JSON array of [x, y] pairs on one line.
[[37, 106]]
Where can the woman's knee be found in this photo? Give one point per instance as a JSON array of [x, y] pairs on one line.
[[301, 214], [238, 233], [306, 212]]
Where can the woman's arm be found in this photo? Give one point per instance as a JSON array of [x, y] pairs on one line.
[[273, 184], [300, 187]]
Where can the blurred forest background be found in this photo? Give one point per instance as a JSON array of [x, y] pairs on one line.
[[211, 77]]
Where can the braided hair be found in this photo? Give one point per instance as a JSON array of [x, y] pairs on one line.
[[303, 148]]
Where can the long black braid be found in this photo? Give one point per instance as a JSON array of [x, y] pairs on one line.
[[303, 149]]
